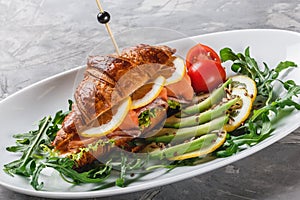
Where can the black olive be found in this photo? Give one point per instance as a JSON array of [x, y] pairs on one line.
[[103, 17]]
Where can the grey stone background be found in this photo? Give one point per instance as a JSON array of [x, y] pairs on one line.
[[40, 38]]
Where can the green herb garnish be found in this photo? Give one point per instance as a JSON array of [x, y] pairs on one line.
[[174, 104], [145, 118]]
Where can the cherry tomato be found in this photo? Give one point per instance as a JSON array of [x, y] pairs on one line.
[[201, 52], [206, 75]]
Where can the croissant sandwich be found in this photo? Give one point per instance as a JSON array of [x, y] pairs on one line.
[[122, 97]]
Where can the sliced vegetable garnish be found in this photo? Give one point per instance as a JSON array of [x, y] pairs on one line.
[[204, 68], [147, 93], [219, 110], [166, 135], [239, 115], [178, 74], [199, 53], [244, 82], [206, 141], [119, 115], [206, 75], [215, 97], [208, 146]]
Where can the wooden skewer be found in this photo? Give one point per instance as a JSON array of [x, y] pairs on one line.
[[108, 29]]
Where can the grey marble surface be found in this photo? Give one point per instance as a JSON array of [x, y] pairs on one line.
[[40, 38]]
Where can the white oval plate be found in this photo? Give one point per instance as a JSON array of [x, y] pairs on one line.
[[21, 110]]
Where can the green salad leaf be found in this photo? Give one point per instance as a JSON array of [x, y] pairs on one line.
[[268, 104], [37, 154]]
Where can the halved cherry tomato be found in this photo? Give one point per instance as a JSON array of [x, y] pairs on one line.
[[206, 75], [201, 52], [204, 68]]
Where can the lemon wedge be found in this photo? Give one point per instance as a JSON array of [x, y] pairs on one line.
[[244, 82], [178, 74], [119, 114], [242, 113], [210, 145], [147, 93]]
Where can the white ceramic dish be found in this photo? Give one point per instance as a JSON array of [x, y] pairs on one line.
[[19, 111]]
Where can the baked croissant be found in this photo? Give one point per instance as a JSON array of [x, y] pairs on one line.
[[108, 80]]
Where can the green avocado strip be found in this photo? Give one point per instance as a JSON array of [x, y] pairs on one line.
[[175, 122], [172, 134], [182, 148], [214, 98]]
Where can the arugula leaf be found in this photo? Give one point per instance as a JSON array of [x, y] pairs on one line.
[[121, 180], [65, 167], [37, 154], [23, 166], [129, 163], [284, 65], [264, 76], [259, 127]]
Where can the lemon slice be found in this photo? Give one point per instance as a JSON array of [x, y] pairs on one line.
[[242, 113], [210, 145], [119, 114], [244, 82], [178, 74], [147, 93]]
